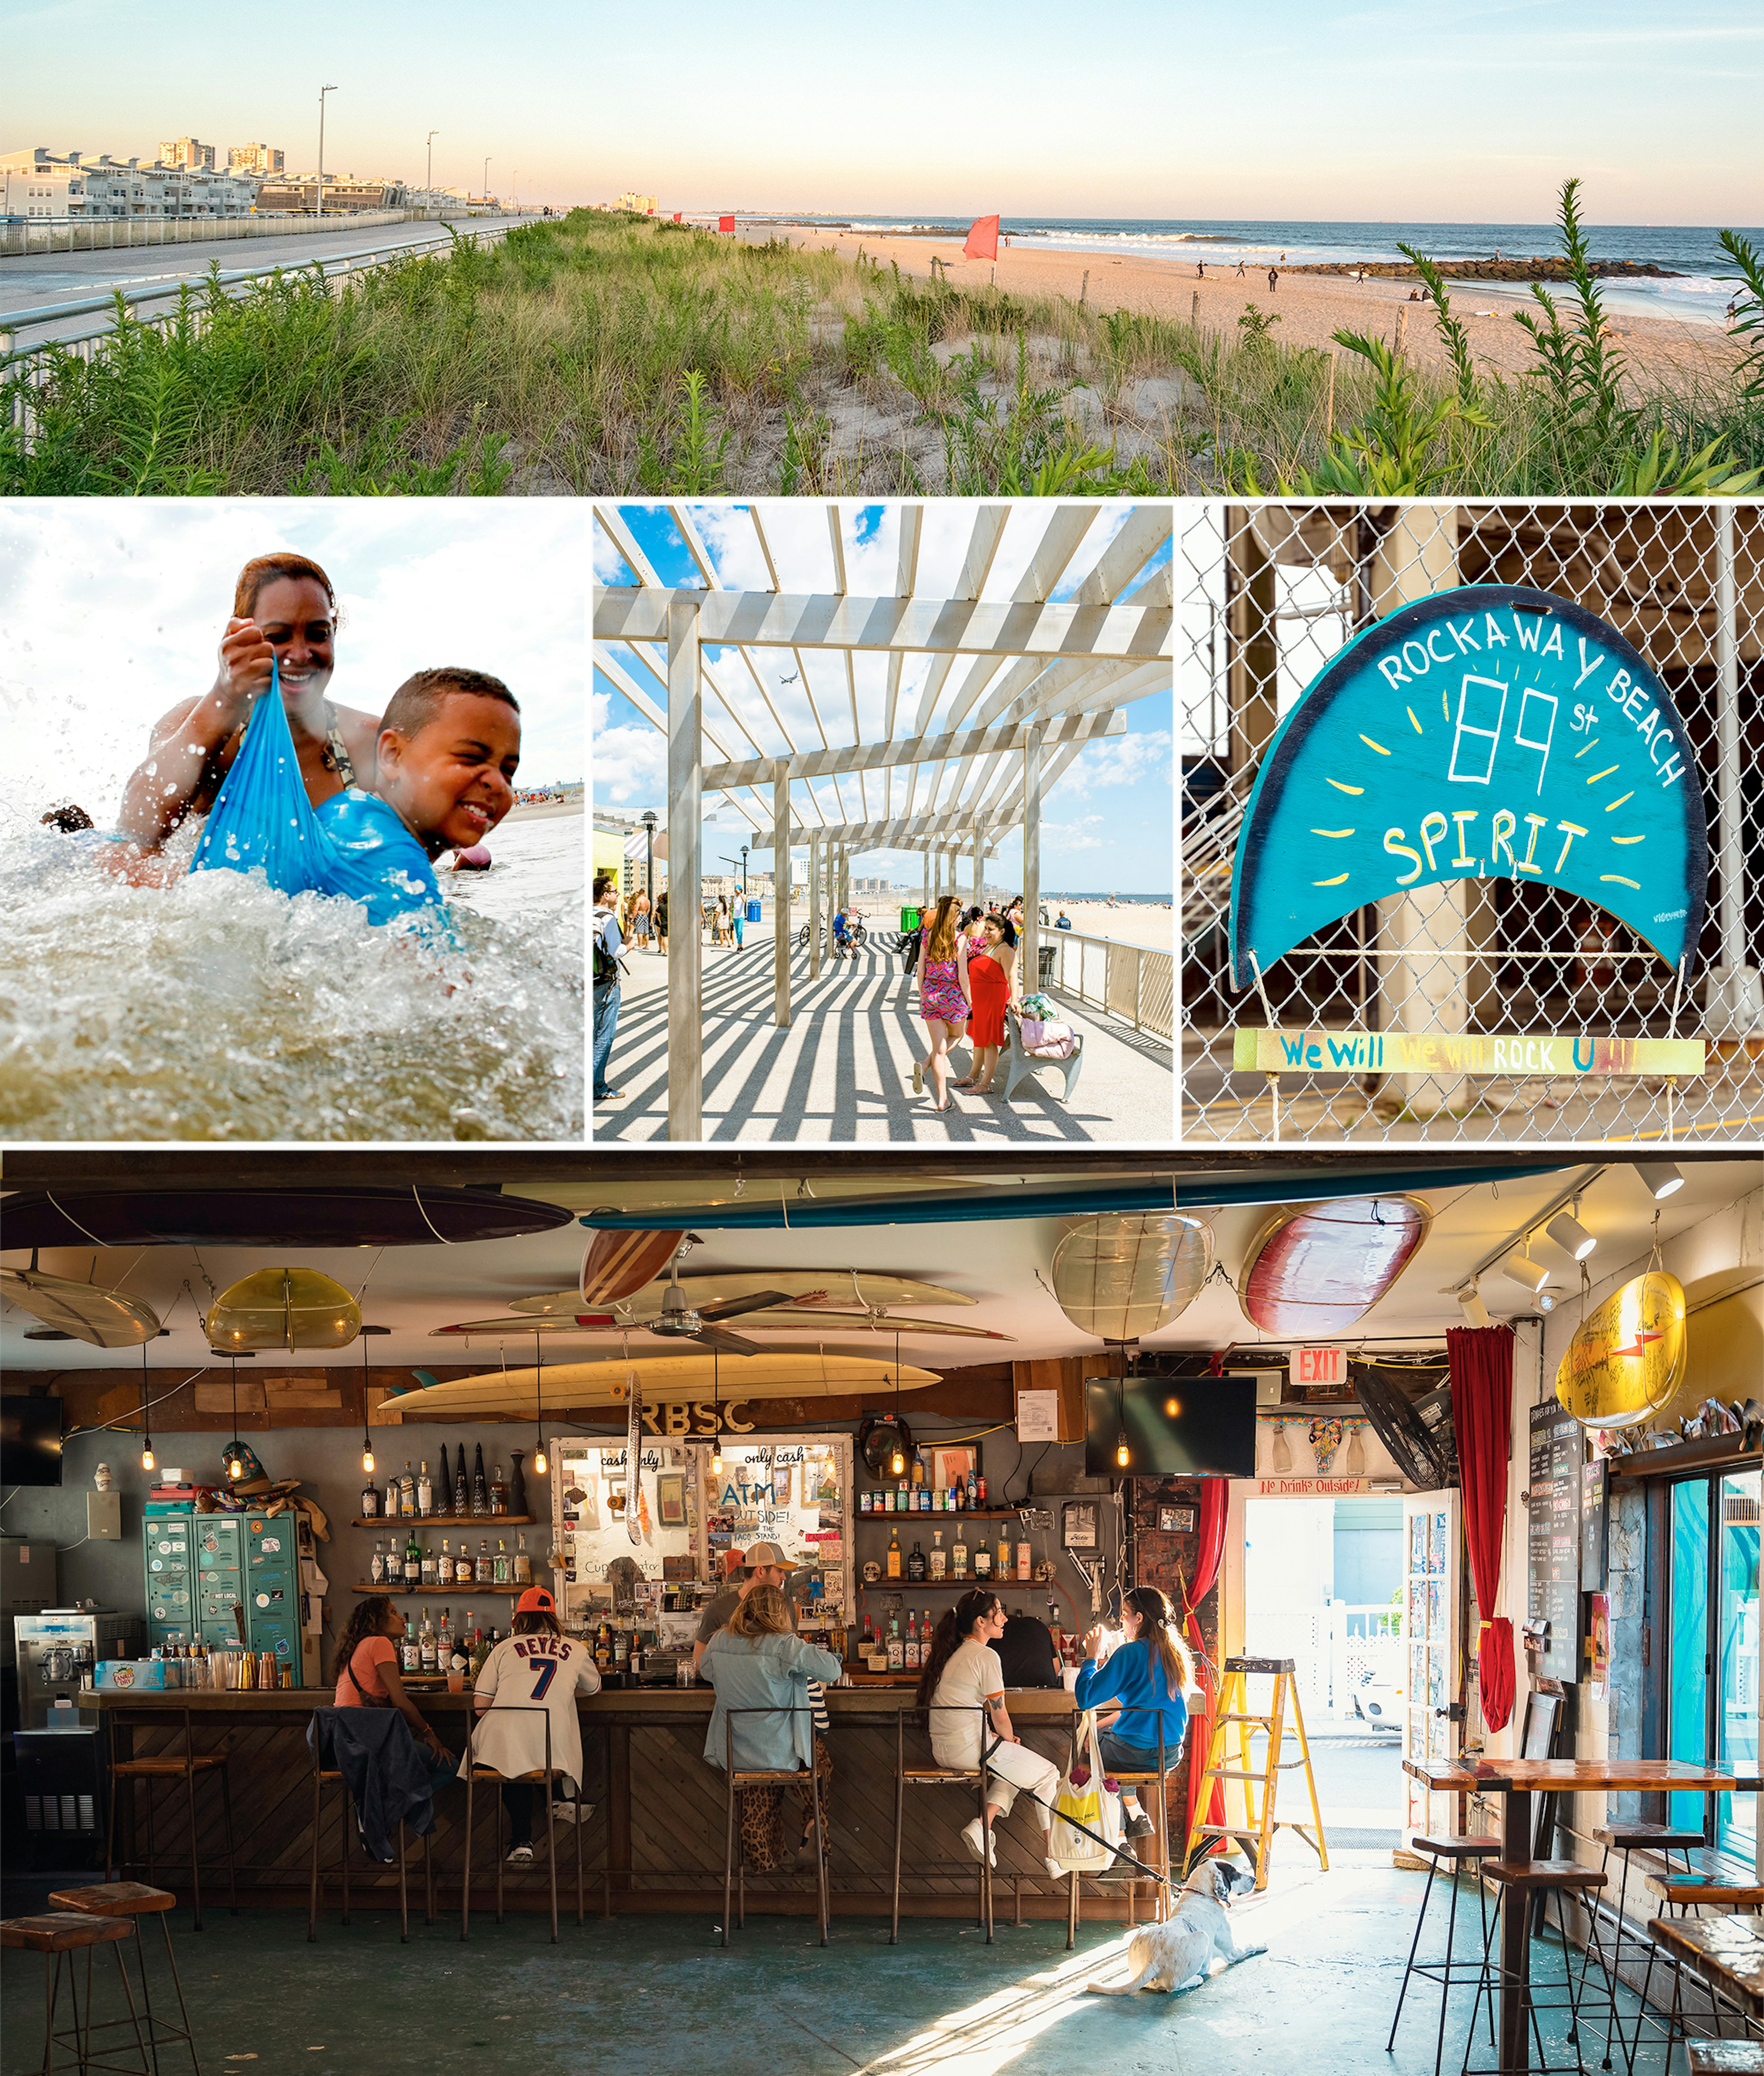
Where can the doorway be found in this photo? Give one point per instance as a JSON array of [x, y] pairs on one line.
[[1323, 1583]]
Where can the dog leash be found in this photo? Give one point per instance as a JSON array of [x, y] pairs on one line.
[[1083, 1830]]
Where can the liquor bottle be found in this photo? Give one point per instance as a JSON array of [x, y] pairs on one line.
[[499, 1577], [969, 1492], [523, 1563], [896, 1644], [918, 1477], [939, 1555], [424, 1489], [377, 1570], [911, 1656], [979, 1492], [838, 1643], [409, 1653], [426, 1645], [915, 1566], [869, 1637], [413, 1562], [982, 1560], [443, 1565], [499, 1490], [959, 1552], [443, 1645], [486, 1574], [461, 1497], [407, 1490], [480, 1492], [894, 1553], [1004, 1571], [1023, 1560], [370, 1501]]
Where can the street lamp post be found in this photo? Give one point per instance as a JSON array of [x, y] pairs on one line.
[[648, 820], [486, 183], [428, 174], [319, 197]]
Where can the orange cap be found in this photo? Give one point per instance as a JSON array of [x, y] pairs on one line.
[[535, 1601]]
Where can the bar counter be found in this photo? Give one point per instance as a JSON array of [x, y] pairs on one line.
[[656, 1840]]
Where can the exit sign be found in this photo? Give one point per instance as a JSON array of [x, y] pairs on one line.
[[1318, 1366]]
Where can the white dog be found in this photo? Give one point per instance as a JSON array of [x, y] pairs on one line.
[[1179, 1954]]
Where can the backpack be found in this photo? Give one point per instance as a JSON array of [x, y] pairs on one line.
[[607, 968]]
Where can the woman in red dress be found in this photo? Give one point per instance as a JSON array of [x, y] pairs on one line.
[[992, 980]]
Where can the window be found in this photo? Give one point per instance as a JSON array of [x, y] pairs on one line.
[[1710, 1690], [1736, 1653]]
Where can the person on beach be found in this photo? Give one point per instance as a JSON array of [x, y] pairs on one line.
[[284, 614], [640, 918], [1273, 280], [1201, 270], [991, 981], [1065, 921], [944, 996], [1240, 270], [661, 923], [609, 971]]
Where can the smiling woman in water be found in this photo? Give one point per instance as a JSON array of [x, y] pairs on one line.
[[284, 612]]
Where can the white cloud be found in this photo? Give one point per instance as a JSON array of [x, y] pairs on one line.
[[1086, 833], [1121, 760]]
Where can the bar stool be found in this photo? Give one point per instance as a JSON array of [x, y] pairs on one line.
[[319, 1737], [133, 1901], [1683, 1896], [1142, 1779], [1627, 1839], [192, 1765], [771, 1777], [58, 1935], [1453, 1850], [907, 1776], [474, 1773], [1729, 1981], [1519, 1884]]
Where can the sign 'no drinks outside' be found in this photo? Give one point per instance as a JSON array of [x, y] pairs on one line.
[[1491, 732]]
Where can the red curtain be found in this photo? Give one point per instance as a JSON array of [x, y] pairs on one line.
[[1481, 1374], [1214, 1500]]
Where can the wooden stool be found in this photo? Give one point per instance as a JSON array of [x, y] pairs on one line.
[[188, 1767], [1726, 1954], [475, 1773], [771, 1777], [58, 1936], [134, 1901], [1704, 1891], [1627, 1839], [1522, 1882], [1166, 1901], [907, 1776], [1454, 1851], [316, 1900]]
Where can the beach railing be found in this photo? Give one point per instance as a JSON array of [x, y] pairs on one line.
[[113, 234], [26, 368], [1128, 981]]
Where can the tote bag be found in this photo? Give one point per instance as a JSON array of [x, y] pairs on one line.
[[1084, 1803]]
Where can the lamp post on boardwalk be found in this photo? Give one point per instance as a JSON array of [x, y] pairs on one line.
[[428, 173], [648, 820], [318, 199]]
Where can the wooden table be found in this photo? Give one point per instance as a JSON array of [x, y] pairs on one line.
[[1734, 1945], [1517, 1780]]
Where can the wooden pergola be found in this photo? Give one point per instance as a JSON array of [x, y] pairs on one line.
[[1003, 688]]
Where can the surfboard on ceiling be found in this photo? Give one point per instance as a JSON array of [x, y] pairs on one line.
[[103, 1318], [816, 1373], [799, 1319], [360, 1215], [1316, 1268], [807, 1285]]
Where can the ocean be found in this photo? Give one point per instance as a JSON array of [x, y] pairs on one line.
[[1692, 254]]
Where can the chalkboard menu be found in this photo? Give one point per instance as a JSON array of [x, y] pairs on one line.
[[1553, 1536]]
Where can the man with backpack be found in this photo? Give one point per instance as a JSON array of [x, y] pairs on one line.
[[609, 968]]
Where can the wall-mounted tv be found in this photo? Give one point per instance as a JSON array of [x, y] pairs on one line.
[[1191, 1427], [30, 1440]]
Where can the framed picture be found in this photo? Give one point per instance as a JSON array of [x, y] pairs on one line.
[[951, 1464], [1077, 1524], [670, 1499], [1175, 1521], [781, 1476]]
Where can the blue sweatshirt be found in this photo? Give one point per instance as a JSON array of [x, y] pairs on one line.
[[1137, 1680]]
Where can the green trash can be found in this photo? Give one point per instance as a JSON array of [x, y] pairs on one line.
[[909, 921]]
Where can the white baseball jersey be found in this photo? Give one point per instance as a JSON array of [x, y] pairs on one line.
[[530, 1681]]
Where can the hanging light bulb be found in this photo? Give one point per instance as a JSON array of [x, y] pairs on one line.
[[367, 1439], [1123, 1454], [236, 1462], [146, 1424], [716, 1413], [539, 1463], [897, 1454]]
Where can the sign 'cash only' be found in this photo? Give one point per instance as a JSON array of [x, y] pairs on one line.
[[1492, 732]]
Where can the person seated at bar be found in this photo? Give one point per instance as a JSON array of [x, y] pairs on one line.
[[530, 1680], [963, 1683], [1148, 1675], [765, 1564], [1026, 1652], [757, 1661], [368, 1678]]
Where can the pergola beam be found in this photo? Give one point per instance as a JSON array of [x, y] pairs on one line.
[[875, 756]]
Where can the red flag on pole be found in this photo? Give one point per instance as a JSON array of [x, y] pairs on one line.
[[676, 216], [726, 224], [983, 239]]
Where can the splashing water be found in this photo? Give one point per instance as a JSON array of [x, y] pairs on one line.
[[218, 1009]]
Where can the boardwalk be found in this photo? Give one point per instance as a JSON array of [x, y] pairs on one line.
[[842, 1073]]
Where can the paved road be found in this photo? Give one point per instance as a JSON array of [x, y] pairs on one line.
[[45, 278]]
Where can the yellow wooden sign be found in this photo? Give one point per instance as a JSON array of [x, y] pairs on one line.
[[1567, 1054], [1627, 1358]]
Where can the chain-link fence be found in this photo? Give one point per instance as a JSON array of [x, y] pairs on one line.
[[1484, 963]]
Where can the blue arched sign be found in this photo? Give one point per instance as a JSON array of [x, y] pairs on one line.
[[1492, 732]]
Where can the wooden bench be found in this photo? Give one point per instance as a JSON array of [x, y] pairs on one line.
[[1020, 1066]]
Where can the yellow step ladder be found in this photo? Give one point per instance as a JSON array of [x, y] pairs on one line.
[[1260, 1822]]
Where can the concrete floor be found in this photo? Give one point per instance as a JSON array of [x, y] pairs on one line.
[[647, 1993], [842, 1073]]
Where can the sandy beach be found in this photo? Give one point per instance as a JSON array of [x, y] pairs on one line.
[[1135, 923], [1310, 307]]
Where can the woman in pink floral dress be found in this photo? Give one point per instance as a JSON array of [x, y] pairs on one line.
[[943, 995]]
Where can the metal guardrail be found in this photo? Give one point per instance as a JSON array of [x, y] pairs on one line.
[[1128, 981], [114, 234]]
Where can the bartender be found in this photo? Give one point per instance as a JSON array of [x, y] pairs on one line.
[[764, 1564]]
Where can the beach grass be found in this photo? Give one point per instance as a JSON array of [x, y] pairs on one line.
[[598, 353]]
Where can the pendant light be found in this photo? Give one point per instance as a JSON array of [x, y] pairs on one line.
[[1123, 1454], [146, 1424], [539, 1463], [897, 1454], [235, 1461], [716, 1413], [367, 1439]]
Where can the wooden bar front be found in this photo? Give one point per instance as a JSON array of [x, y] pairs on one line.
[[656, 1840]]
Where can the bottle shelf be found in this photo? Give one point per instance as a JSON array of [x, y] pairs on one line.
[[954, 1585], [454, 1591], [480, 1521], [961, 1514]]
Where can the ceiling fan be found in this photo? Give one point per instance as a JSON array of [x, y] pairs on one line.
[[677, 1320]]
